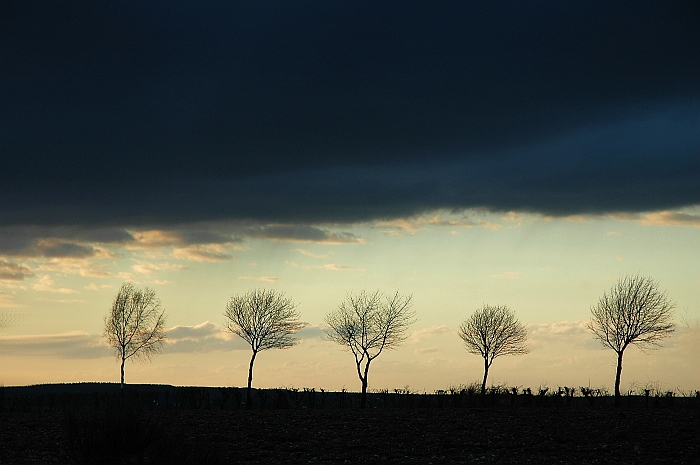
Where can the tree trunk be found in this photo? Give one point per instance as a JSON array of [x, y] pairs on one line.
[[363, 398], [248, 397], [486, 374], [121, 385], [617, 379]]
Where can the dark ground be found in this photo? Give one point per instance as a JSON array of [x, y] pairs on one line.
[[399, 435]]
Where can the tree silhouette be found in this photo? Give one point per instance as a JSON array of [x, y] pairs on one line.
[[492, 331], [265, 319], [135, 325], [367, 324], [633, 312]]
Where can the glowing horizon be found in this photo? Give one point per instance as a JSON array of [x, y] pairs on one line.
[[549, 271]]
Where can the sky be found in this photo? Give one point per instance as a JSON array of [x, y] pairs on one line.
[[467, 153]]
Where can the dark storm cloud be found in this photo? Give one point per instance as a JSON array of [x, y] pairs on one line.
[[145, 113]]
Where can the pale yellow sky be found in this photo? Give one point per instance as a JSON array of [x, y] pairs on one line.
[[548, 270]]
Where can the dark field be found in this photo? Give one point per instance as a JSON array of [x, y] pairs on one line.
[[521, 435], [508, 432]]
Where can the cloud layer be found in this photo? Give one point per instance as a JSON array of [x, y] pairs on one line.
[[157, 113], [202, 338]]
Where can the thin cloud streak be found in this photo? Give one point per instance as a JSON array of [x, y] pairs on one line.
[[301, 233], [265, 279], [430, 333], [202, 338], [72, 345], [46, 283], [205, 337], [414, 224], [209, 337], [669, 218], [10, 271], [507, 275], [327, 266], [313, 255], [147, 268], [7, 299], [203, 253]]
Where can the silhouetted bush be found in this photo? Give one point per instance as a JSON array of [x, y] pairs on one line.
[[280, 401], [323, 397], [296, 397], [405, 397], [76, 398], [343, 399], [225, 394], [310, 396], [191, 398]]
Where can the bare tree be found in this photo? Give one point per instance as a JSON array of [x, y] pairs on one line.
[[492, 331], [367, 324], [135, 324], [633, 312], [265, 319]]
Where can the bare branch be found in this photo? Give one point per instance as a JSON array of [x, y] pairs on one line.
[[369, 323], [633, 312], [135, 326], [265, 319], [493, 331]]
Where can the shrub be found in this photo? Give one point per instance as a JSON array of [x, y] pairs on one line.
[[225, 394]]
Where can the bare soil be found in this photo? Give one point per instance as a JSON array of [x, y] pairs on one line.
[[391, 436]]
